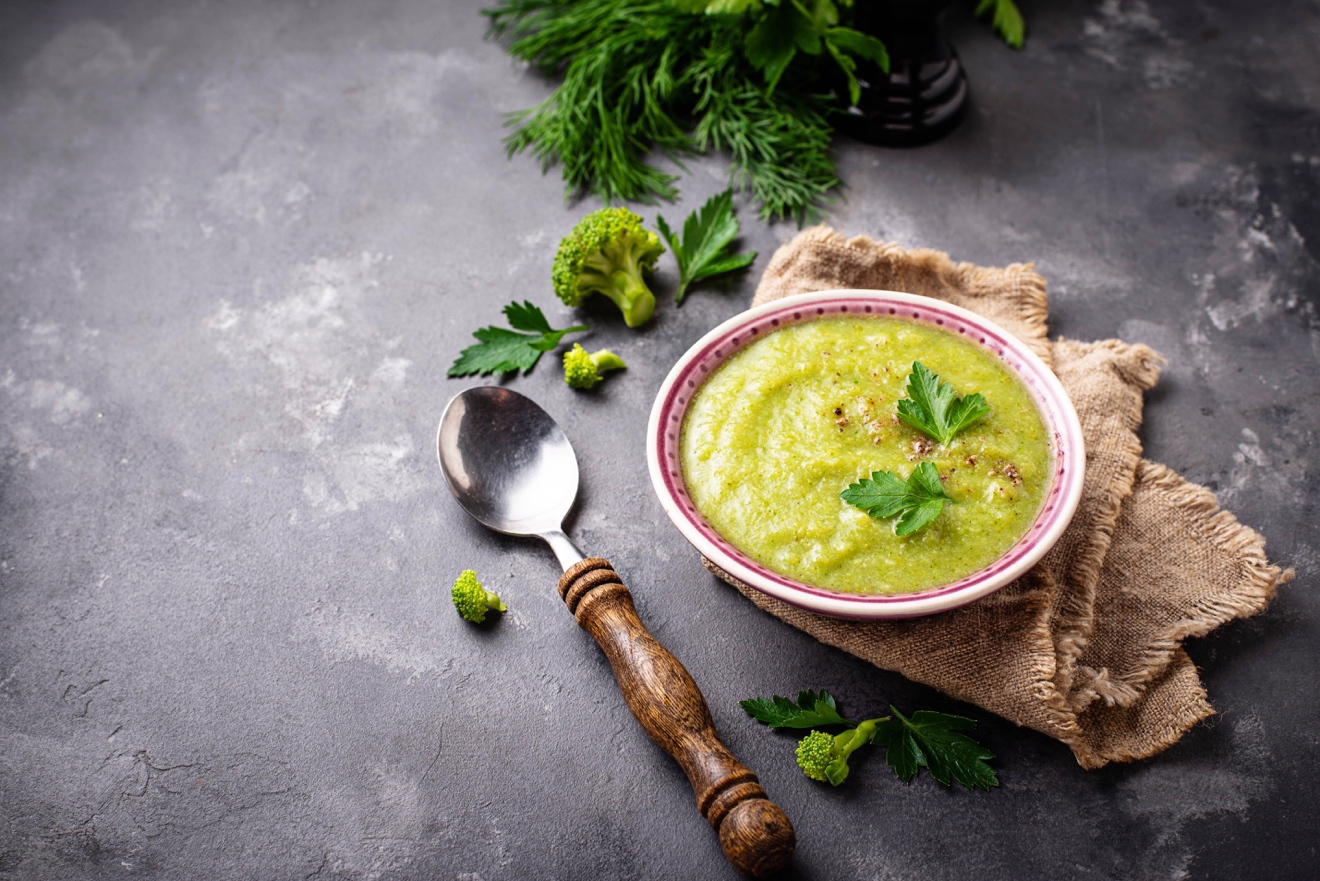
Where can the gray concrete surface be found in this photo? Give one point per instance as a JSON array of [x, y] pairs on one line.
[[240, 244]]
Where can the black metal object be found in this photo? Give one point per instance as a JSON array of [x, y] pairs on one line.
[[924, 94]]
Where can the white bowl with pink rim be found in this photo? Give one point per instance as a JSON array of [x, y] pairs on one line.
[[1067, 449]]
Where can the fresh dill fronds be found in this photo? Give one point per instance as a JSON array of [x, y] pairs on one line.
[[645, 77]]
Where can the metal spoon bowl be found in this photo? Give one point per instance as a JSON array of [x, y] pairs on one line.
[[511, 467]]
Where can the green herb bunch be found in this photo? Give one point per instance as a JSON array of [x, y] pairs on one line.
[[757, 79], [645, 75]]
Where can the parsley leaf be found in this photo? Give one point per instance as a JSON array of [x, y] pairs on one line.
[[1007, 20], [934, 408], [707, 236], [776, 38], [812, 708], [784, 29], [933, 740], [500, 350], [915, 501], [843, 43], [525, 316]]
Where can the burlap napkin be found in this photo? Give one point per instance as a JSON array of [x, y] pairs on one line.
[[1087, 647]]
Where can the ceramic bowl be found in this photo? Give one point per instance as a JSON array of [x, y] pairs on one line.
[[687, 375]]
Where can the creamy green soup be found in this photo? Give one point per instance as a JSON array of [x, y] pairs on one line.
[[780, 429]]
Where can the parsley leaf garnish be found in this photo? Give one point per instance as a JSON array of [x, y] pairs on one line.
[[930, 740], [933, 740], [812, 708], [934, 408], [707, 236], [915, 501], [500, 350]]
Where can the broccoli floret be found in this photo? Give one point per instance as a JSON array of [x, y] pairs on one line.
[[583, 369], [814, 754], [606, 253], [472, 600], [824, 757]]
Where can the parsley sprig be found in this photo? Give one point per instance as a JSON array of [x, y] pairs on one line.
[[934, 408], [915, 502], [927, 739], [812, 708], [704, 249], [501, 350], [782, 30]]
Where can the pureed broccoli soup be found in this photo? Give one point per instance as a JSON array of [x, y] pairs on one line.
[[778, 431]]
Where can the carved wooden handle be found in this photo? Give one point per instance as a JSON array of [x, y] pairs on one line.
[[755, 833]]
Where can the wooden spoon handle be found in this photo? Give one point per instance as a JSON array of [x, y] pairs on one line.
[[754, 832]]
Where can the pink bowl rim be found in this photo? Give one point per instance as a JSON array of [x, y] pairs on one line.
[[666, 420]]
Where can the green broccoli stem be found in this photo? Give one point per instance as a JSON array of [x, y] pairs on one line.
[[630, 293], [633, 298], [606, 360], [848, 742]]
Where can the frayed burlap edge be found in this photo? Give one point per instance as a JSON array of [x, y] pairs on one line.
[[1077, 564], [1158, 697], [1259, 580], [1254, 583], [1148, 726]]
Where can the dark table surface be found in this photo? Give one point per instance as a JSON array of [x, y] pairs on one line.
[[240, 244]]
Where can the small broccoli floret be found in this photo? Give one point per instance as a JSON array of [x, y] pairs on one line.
[[472, 600], [583, 369], [606, 253], [824, 757], [815, 753]]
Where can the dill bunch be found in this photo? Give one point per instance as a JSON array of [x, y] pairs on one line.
[[641, 77]]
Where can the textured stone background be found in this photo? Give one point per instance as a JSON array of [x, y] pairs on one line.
[[239, 245]]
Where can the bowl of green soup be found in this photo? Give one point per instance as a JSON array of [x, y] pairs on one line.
[[866, 454]]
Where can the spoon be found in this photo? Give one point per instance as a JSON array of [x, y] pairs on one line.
[[511, 467]]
